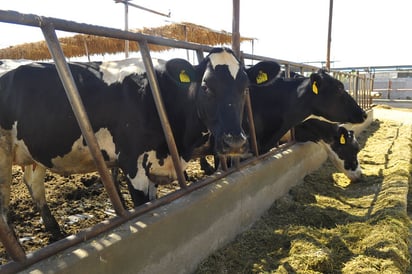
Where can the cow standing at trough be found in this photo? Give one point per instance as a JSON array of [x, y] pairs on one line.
[[284, 103], [38, 129], [340, 144]]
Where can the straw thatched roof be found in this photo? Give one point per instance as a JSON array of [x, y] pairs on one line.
[[83, 45]]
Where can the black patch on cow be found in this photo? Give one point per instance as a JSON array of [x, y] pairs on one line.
[[105, 155], [263, 72]]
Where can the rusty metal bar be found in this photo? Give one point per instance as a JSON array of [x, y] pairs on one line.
[[126, 2], [329, 35], [70, 26], [252, 134], [279, 61], [235, 28], [11, 244], [105, 226], [151, 76], [199, 54], [287, 71], [81, 115]]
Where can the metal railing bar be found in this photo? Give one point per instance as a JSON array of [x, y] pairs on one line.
[[70, 26], [167, 130], [107, 225], [48, 26], [280, 61], [82, 119]]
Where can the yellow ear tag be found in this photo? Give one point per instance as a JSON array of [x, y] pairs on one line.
[[314, 88], [261, 77], [184, 78], [342, 139]]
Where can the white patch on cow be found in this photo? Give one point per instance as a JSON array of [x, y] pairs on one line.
[[79, 159], [225, 58], [353, 175], [9, 64], [21, 155], [312, 116], [116, 71], [142, 182]]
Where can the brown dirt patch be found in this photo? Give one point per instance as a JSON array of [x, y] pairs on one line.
[[76, 201]]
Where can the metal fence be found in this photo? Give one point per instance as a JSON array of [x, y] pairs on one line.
[[359, 85]]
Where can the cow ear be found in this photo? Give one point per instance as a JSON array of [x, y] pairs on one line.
[[315, 82], [180, 71], [343, 135], [263, 72]]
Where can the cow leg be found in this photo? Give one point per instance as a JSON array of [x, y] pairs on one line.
[[206, 167], [140, 197], [7, 235], [116, 180], [34, 180]]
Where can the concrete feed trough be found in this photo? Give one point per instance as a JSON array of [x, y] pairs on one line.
[[174, 238]]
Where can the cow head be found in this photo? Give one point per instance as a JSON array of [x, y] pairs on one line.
[[331, 101], [220, 97], [343, 151]]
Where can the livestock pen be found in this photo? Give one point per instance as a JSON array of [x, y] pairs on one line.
[[172, 233]]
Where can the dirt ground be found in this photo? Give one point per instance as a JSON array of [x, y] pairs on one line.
[[329, 225], [76, 201]]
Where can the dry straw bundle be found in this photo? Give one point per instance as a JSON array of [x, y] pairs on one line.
[[85, 45]]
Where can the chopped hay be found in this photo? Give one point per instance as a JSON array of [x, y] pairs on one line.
[[328, 225]]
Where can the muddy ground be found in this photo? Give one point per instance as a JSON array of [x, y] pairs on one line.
[[77, 202]]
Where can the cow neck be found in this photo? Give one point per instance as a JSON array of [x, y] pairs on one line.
[[304, 100], [195, 130]]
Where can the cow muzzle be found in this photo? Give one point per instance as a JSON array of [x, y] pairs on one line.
[[233, 145]]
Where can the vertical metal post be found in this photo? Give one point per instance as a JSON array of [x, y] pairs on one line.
[[252, 129], [329, 35], [199, 54], [356, 86], [287, 71], [371, 89], [389, 89], [81, 115], [235, 28], [151, 76], [126, 27]]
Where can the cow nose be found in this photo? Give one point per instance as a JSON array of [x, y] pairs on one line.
[[234, 141], [364, 115]]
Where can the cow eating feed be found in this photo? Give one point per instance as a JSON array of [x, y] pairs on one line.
[[38, 129]]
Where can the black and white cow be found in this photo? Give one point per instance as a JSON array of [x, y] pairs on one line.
[[38, 129], [283, 103], [340, 144]]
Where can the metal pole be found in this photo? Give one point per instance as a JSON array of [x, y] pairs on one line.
[[81, 115], [235, 28], [252, 129], [329, 35], [143, 8], [126, 27], [151, 76]]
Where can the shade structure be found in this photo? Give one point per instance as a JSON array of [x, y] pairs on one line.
[[84, 45]]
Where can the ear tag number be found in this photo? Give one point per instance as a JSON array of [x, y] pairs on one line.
[[184, 78], [342, 139], [314, 88], [261, 77]]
